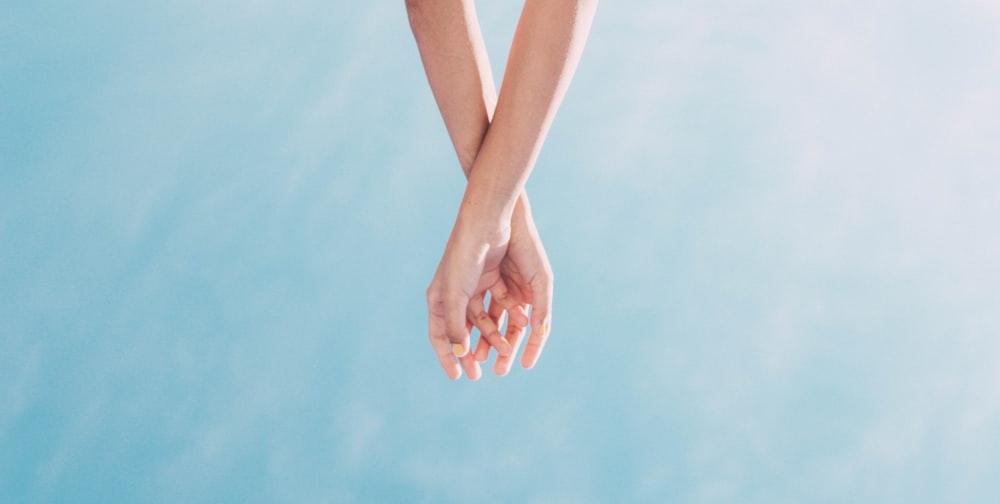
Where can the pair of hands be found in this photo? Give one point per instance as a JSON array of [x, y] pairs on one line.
[[494, 247], [509, 263]]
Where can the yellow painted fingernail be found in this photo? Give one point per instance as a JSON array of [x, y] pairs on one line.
[[542, 330], [458, 349]]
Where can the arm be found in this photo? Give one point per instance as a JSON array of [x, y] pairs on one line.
[[457, 67], [546, 50], [458, 70], [544, 55]]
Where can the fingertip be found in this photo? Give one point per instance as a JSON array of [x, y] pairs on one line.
[[472, 369], [518, 318], [528, 363], [476, 375], [461, 346], [533, 350], [482, 355], [457, 334], [502, 367], [504, 348], [449, 364], [541, 320]]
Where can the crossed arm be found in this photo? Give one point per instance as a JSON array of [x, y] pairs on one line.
[[494, 245]]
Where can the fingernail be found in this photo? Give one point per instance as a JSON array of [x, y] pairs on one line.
[[544, 329], [459, 349]]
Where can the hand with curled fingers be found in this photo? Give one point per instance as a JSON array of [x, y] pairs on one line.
[[469, 267], [512, 266], [525, 280]]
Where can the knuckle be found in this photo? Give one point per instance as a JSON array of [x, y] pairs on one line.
[[483, 318], [501, 295], [433, 294], [435, 304]]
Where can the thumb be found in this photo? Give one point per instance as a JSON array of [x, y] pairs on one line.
[[456, 328]]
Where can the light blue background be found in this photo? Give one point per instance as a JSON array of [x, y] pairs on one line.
[[773, 227]]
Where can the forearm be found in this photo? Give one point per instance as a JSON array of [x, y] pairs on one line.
[[456, 62], [547, 47], [454, 56]]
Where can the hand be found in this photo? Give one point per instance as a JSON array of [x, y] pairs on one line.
[[469, 267], [526, 279]]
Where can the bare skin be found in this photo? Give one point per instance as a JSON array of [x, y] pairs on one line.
[[494, 246]]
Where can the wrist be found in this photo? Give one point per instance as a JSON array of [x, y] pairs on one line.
[[521, 220], [482, 224], [486, 207], [493, 188]]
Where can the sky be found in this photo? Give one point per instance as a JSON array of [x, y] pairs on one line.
[[772, 226]]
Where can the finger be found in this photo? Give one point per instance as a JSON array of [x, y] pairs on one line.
[[497, 314], [471, 366], [541, 319], [487, 326], [514, 335], [455, 321], [482, 351], [496, 311], [502, 296], [436, 331], [446, 357], [480, 343]]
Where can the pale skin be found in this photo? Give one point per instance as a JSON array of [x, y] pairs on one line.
[[494, 246]]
